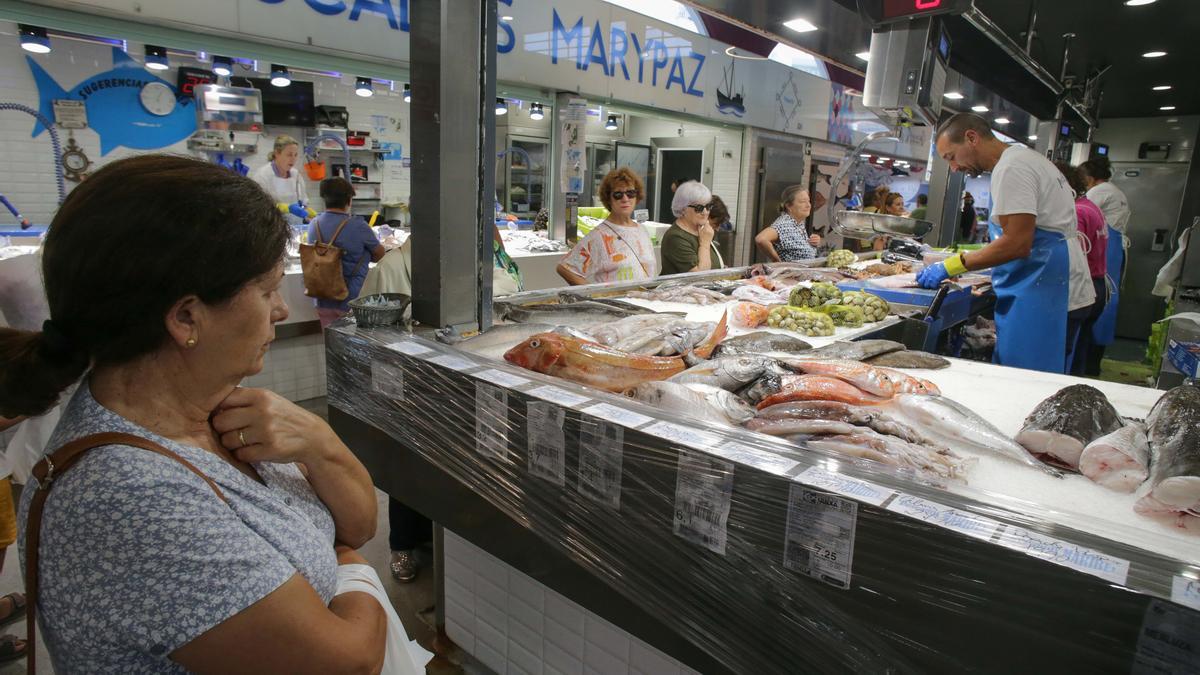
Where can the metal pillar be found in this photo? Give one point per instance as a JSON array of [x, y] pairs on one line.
[[945, 201], [453, 57], [563, 205]]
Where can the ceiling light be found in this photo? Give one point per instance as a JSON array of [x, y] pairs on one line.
[[509, 18], [536, 112], [1167, 107], [1137, 3], [800, 25], [363, 86], [1162, 87], [407, 93], [979, 108], [865, 56], [222, 65], [1001, 120], [156, 58], [280, 76], [1154, 55], [1172, 120], [611, 124], [34, 39], [1032, 137], [865, 156], [501, 107], [953, 95]]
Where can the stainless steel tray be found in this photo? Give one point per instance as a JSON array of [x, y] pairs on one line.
[[870, 225]]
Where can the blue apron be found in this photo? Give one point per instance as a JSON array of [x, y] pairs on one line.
[[1104, 332], [1031, 304]]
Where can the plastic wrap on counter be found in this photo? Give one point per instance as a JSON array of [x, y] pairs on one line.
[[770, 556]]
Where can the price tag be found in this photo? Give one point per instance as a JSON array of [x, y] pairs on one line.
[[600, 457], [387, 379], [703, 493], [619, 415], [933, 513], [559, 396], [547, 453], [820, 535], [820, 477], [1169, 641], [759, 459], [453, 362], [1186, 591], [410, 348], [500, 377], [491, 421], [685, 435], [1059, 552]]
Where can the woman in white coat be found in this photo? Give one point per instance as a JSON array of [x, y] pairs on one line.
[[280, 178]]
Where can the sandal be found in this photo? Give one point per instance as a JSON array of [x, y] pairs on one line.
[[17, 600], [9, 649]]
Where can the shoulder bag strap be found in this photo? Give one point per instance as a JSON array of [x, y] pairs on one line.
[[335, 232], [628, 246], [48, 470]]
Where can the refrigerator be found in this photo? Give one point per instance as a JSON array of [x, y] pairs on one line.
[[1155, 192]]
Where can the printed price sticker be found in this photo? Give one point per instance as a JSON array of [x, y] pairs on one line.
[[933, 513], [387, 379], [547, 448], [491, 421], [410, 348], [703, 493], [759, 459], [559, 396], [863, 491], [820, 535], [1186, 591], [1059, 552], [685, 435], [500, 377], [1169, 640], [453, 362], [600, 457], [619, 415]]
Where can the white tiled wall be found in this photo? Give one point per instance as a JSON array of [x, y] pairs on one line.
[[726, 177], [515, 625], [293, 368]]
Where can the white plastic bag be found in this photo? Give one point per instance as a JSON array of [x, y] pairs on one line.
[[403, 656]]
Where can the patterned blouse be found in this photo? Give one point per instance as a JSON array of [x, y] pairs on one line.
[[139, 556], [793, 240]]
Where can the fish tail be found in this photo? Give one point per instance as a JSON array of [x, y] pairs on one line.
[[48, 91], [705, 349]]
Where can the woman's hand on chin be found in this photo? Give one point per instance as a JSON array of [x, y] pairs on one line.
[[258, 425]]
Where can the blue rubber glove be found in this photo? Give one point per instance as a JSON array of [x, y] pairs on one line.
[[298, 209], [933, 275]]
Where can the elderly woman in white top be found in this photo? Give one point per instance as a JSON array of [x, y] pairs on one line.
[[688, 245], [786, 239], [280, 178]]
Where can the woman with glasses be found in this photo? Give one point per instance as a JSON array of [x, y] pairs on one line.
[[786, 239], [619, 249], [688, 245]]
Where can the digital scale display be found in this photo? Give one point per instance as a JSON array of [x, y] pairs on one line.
[[891, 10]]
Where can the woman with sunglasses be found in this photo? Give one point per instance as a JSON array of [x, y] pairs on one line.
[[619, 249], [688, 245], [786, 239]]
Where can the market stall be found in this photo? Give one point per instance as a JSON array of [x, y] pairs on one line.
[[730, 550]]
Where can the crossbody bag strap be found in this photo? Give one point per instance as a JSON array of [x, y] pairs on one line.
[[49, 470], [629, 246]]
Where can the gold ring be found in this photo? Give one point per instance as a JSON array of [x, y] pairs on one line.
[[242, 437]]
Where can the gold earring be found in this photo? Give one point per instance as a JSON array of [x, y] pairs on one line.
[[191, 342]]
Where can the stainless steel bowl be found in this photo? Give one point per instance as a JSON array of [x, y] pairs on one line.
[[861, 225]]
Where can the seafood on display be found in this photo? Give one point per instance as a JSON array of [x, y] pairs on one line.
[[1119, 461], [700, 400], [762, 342], [1173, 429], [873, 380], [859, 350], [909, 359], [755, 293], [686, 294], [818, 388], [1060, 426], [577, 314], [730, 372]]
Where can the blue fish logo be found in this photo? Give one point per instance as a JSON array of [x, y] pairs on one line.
[[114, 109]]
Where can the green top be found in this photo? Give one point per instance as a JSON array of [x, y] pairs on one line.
[[681, 251], [918, 213]]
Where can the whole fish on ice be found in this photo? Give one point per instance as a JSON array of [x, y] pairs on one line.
[[1119, 461], [1173, 427], [1060, 426], [762, 342], [730, 372], [909, 359], [858, 350], [818, 388], [493, 342], [879, 381], [698, 400]]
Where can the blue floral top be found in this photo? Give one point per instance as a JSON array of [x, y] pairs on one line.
[[139, 556], [793, 239]]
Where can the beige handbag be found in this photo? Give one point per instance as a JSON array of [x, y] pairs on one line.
[[321, 265]]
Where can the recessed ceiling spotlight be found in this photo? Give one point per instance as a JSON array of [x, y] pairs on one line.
[[509, 18], [1167, 107], [280, 77], [865, 56], [222, 65], [1032, 137], [501, 107], [1138, 3], [953, 95], [611, 124], [1162, 87], [1154, 55], [1001, 120], [156, 58], [536, 112], [34, 39], [979, 108], [364, 87], [800, 25]]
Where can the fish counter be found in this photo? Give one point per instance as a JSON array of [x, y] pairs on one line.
[[770, 502]]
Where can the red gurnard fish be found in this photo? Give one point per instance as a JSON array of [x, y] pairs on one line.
[[872, 379], [819, 388]]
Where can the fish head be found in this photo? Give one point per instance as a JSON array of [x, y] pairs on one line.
[[538, 353]]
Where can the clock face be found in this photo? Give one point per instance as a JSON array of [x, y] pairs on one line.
[[157, 98]]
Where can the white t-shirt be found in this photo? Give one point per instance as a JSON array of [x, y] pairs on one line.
[[1026, 182], [614, 253], [1112, 203], [287, 190]]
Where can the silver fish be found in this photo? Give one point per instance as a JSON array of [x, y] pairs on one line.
[[730, 372], [859, 350], [493, 342], [910, 359], [701, 401], [577, 314], [761, 342], [837, 411]]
